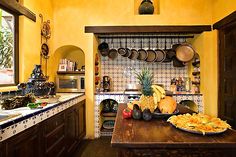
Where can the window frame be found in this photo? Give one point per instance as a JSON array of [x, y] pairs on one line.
[[16, 47]]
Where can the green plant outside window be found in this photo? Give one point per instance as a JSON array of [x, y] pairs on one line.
[[7, 69]]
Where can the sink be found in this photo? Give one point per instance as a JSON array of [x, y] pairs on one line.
[[4, 117]]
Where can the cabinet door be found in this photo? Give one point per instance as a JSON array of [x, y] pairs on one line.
[[25, 144], [2, 150], [54, 136], [81, 120], [71, 129]]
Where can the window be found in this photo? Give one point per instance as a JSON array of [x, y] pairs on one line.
[[8, 48]]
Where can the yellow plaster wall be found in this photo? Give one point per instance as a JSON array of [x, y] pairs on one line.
[[29, 38], [204, 44], [70, 18], [70, 52], [222, 8]]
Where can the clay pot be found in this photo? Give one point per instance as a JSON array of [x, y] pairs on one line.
[[146, 7]]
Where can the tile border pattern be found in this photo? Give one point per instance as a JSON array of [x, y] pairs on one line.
[[121, 98], [34, 119]]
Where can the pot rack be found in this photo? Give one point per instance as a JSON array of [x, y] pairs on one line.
[[150, 36], [189, 29]]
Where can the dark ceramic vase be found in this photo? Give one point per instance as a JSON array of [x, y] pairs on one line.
[[146, 7]]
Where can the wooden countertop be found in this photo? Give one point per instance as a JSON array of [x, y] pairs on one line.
[[157, 133]]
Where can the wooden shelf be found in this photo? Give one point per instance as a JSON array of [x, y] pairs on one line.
[[106, 130], [109, 118], [196, 83], [196, 73], [70, 72], [109, 114], [148, 29]]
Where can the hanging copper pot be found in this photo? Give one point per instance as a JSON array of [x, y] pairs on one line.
[[185, 52]]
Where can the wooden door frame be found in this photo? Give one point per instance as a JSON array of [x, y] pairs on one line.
[[221, 25]]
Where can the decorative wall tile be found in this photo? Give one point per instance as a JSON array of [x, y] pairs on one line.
[[121, 70], [197, 98], [120, 98], [97, 118]]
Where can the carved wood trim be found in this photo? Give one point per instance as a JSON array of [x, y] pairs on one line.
[[225, 21]]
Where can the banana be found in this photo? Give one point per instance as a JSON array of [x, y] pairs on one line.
[[159, 89], [157, 93], [157, 98], [162, 90]]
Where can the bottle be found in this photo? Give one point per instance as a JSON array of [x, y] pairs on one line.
[[187, 84]]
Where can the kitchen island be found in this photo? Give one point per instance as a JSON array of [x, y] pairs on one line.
[[136, 138]]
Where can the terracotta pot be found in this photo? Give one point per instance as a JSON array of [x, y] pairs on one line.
[[146, 7]]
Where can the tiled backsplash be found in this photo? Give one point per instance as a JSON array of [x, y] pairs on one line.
[[121, 70]]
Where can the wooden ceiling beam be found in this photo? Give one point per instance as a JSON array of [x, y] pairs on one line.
[[17, 8], [225, 21]]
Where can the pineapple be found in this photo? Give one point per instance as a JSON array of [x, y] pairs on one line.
[[145, 78]]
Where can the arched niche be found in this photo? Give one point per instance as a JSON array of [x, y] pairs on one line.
[[71, 52]]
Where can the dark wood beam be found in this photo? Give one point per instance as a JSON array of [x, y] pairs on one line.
[[17, 8], [225, 21], [147, 29]]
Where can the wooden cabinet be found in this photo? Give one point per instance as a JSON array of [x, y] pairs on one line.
[[54, 136], [1, 148], [57, 136], [81, 120], [26, 144], [75, 125], [71, 134]]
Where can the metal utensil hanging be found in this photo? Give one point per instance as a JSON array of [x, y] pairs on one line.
[[151, 54], [45, 35], [45, 28], [161, 55], [142, 53]]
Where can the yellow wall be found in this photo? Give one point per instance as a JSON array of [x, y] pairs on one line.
[[29, 38], [70, 18], [222, 8], [70, 52], [204, 44]]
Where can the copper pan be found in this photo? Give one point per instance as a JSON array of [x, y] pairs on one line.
[[185, 52]]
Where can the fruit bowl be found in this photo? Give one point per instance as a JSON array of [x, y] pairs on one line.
[[158, 115]]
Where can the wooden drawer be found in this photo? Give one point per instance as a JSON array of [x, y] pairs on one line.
[[53, 137], [52, 123], [58, 150]]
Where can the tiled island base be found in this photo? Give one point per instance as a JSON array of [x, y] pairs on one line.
[[122, 98]]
